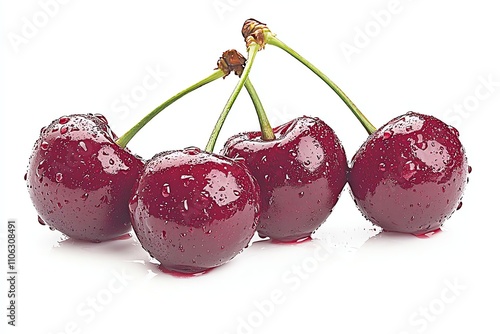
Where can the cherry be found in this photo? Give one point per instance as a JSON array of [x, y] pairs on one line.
[[80, 174], [409, 175], [193, 210], [80, 180], [300, 166], [301, 174]]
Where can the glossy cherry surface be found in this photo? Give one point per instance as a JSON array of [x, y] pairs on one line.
[[80, 180], [193, 211], [409, 176], [301, 175]]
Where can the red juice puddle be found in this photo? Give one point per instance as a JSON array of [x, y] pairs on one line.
[[293, 242], [180, 274], [125, 236], [428, 234]]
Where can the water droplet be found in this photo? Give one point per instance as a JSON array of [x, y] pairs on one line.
[[40, 221], [186, 207], [63, 120], [422, 145], [408, 170], [221, 247], [192, 150], [59, 177], [412, 218], [44, 146], [104, 199], [83, 145], [111, 162], [264, 159], [307, 163], [25, 176], [183, 234], [454, 130], [459, 205], [43, 129], [387, 134], [409, 128], [59, 205], [443, 189], [293, 153], [101, 117], [187, 177], [301, 194], [64, 129], [222, 188], [469, 169], [236, 193], [164, 234], [165, 191], [85, 196], [381, 167], [266, 177]]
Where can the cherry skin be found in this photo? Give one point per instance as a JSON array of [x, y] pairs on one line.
[[80, 180], [409, 176], [193, 210], [301, 175]]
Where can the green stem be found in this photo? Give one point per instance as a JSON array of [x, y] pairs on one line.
[[124, 139], [267, 133], [272, 40], [252, 52]]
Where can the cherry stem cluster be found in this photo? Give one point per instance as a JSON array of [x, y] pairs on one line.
[[244, 81], [257, 32]]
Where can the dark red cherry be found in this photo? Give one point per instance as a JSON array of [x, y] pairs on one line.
[[193, 210], [301, 175], [409, 176], [80, 180]]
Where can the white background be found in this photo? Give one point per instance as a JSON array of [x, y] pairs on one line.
[[434, 57]]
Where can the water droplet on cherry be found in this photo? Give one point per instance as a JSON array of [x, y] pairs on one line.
[[101, 117], [83, 145], [63, 120], [44, 146], [165, 191], [59, 177], [408, 170], [40, 221]]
